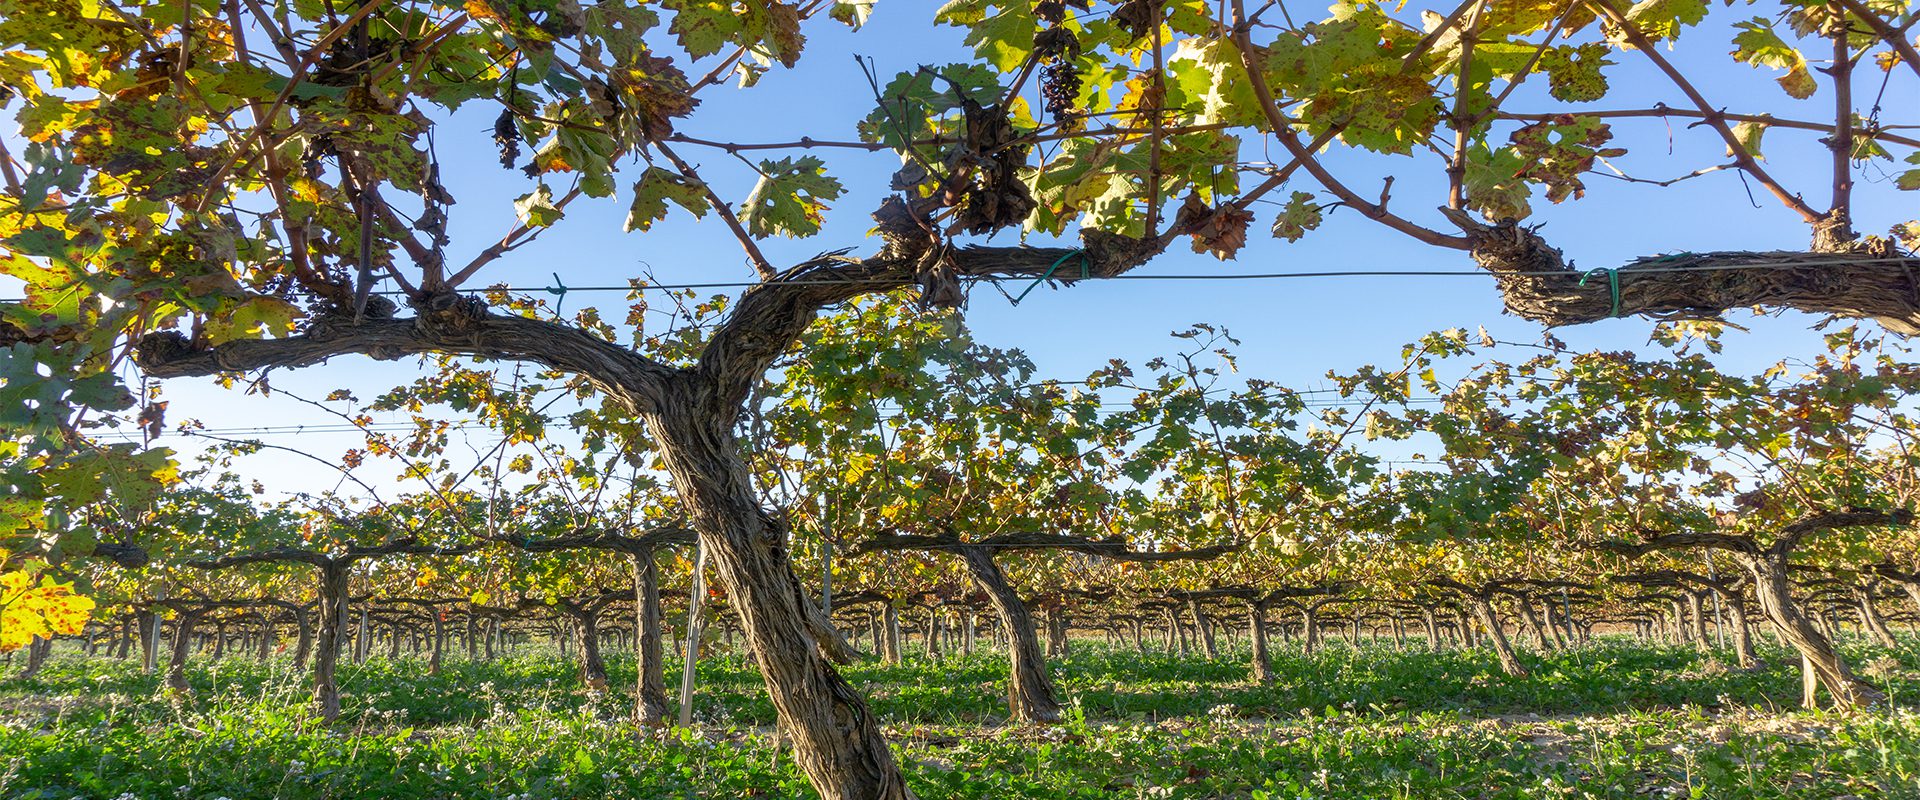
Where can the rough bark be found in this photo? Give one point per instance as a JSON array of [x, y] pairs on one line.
[[1742, 633], [37, 649], [650, 703], [1697, 622], [1535, 282], [1496, 635], [1531, 622], [1771, 588], [1870, 615], [129, 628], [837, 742], [1057, 627], [1463, 625], [1203, 628], [439, 640], [593, 666], [933, 633], [890, 652], [1257, 632], [1030, 692], [182, 645], [327, 645], [265, 647]]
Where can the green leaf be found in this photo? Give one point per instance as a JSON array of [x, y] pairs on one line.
[[653, 191], [1798, 82], [1758, 44], [257, 316], [1300, 215], [1493, 183], [536, 208], [1910, 180], [1212, 83], [1663, 19], [852, 13], [1748, 133], [789, 198], [1000, 31], [704, 26], [1573, 72]]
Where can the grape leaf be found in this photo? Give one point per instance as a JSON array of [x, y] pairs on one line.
[[789, 198]]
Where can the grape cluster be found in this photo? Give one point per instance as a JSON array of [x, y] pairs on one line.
[[1060, 89], [319, 149], [506, 135], [1057, 47]]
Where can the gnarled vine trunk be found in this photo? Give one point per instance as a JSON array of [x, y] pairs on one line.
[[1203, 629], [1496, 634], [1742, 633], [890, 646], [837, 741], [327, 645], [1774, 593], [1697, 622], [593, 667], [1870, 615], [650, 681], [1030, 693], [1257, 631], [182, 645]]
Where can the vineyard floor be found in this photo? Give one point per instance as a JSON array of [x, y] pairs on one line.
[[1614, 719]]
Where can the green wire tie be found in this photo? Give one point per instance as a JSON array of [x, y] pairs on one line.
[[1085, 265], [1613, 285], [559, 290]]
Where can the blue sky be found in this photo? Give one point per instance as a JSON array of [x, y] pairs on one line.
[[1293, 330]]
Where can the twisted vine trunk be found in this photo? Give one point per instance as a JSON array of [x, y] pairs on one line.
[[182, 645], [1257, 631], [1203, 628], [650, 682], [1742, 632], [1555, 623], [266, 638], [1030, 693], [1818, 657], [1309, 631], [1870, 616], [333, 622], [1531, 621], [891, 646], [439, 641], [593, 667], [837, 742], [1496, 634], [1697, 623], [37, 650], [149, 625], [304, 643], [1464, 626]]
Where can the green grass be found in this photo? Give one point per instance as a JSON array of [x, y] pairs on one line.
[[1612, 720]]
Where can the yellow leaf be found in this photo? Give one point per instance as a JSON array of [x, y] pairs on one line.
[[44, 608]]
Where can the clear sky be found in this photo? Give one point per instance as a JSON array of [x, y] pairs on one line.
[[1294, 330]]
